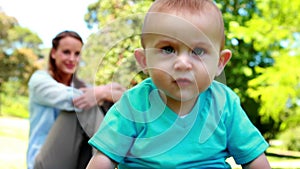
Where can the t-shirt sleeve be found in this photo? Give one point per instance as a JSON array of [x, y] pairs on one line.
[[115, 135], [245, 142]]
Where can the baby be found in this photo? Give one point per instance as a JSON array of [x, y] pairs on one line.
[[179, 117]]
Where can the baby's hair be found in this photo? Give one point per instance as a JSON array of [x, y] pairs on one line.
[[193, 7], [180, 5]]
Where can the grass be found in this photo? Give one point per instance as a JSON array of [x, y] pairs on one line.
[[14, 140], [283, 159]]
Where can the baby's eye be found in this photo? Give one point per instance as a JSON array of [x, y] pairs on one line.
[[198, 51], [168, 50]]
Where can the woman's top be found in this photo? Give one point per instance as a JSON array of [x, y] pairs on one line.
[[47, 98]]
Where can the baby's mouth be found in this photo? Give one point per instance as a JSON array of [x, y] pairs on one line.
[[182, 82]]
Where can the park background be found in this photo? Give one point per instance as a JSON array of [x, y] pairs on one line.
[[264, 36]]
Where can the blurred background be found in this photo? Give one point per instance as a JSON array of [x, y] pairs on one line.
[[264, 36]]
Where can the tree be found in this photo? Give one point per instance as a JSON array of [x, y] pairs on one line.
[[23, 37], [19, 57], [273, 31], [277, 89], [109, 53], [6, 23], [19, 51]]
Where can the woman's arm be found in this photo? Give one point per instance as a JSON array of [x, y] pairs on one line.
[[101, 161], [46, 91], [260, 162], [97, 95]]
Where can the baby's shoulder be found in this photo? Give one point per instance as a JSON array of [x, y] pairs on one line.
[[142, 89], [140, 96], [222, 90]]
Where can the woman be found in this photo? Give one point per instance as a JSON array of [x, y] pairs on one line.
[[56, 138]]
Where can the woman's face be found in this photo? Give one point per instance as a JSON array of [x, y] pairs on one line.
[[67, 55]]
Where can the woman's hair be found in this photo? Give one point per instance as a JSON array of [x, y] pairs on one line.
[[51, 64]]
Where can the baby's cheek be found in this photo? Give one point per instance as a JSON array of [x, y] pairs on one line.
[[159, 67], [207, 72], [157, 72]]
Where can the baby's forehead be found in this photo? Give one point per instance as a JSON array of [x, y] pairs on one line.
[[186, 29], [184, 6], [190, 13]]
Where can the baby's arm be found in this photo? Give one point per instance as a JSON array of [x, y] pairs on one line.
[[101, 161], [260, 162]]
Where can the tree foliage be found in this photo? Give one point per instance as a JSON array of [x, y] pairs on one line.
[[274, 31], [6, 23], [278, 91], [19, 52], [261, 33], [109, 53]]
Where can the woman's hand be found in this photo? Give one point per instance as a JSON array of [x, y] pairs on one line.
[[111, 92], [97, 95]]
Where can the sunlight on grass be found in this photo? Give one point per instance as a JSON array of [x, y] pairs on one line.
[[13, 141]]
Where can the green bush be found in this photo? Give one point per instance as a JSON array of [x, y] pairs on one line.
[[294, 143], [16, 106]]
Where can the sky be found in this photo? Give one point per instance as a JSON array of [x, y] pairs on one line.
[[47, 18]]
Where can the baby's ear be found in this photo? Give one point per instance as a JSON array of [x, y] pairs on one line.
[[140, 57], [225, 56]]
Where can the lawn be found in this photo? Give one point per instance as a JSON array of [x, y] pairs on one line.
[[14, 134], [13, 141]]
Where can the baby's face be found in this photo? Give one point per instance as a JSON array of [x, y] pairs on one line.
[[182, 53]]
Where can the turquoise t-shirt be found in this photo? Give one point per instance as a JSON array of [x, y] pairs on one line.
[[140, 131]]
